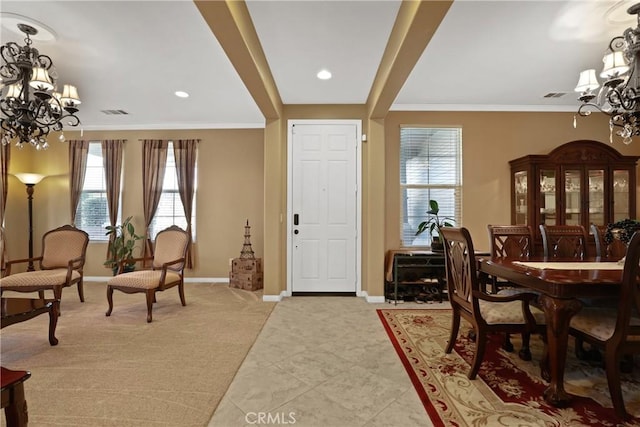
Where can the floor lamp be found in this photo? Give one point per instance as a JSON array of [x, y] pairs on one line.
[[30, 180]]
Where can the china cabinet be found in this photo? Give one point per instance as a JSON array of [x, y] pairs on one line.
[[580, 182]]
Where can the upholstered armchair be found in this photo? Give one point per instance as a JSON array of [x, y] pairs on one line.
[[167, 267], [60, 265]]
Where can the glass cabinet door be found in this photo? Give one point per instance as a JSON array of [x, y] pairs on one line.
[[548, 197], [596, 197], [572, 197], [621, 199], [520, 191]]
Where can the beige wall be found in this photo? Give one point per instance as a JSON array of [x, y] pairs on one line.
[[230, 191], [239, 179], [489, 141]]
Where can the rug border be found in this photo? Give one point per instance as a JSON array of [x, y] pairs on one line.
[[417, 384]]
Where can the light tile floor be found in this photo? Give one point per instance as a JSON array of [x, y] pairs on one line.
[[323, 361]]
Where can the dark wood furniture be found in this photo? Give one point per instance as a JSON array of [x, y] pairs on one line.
[[487, 313], [16, 310], [509, 241], [13, 401], [613, 329], [414, 273], [60, 265], [167, 270], [616, 249], [559, 292], [578, 183], [564, 241]]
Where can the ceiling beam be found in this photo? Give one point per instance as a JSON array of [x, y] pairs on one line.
[[416, 23], [231, 23]]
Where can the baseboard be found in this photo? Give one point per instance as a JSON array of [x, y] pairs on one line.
[[274, 298], [206, 280]]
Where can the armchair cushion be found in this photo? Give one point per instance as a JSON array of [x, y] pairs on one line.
[[600, 322], [507, 312], [143, 279], [39, 278]]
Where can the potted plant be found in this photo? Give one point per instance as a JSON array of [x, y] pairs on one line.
[[122, 243], [433, 224]]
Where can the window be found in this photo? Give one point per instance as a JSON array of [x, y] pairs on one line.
[[430, 168], [170, 209], [92, 215]]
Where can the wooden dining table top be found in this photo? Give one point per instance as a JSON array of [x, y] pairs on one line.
[[559, 283]]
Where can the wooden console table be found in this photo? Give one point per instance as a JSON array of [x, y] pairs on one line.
[[12, 397], [15, 310], [412, 268]]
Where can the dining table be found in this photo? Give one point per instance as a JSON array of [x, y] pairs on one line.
[[562, 285]]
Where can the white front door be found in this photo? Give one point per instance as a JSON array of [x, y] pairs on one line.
[[323, 215]]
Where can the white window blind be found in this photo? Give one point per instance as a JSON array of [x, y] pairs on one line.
[[91, 214], [170, 209], [430, 168]]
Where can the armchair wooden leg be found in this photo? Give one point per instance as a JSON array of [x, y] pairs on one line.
[[151, 296], [81, 291], [57, 294], [109, 300], [181, 292]]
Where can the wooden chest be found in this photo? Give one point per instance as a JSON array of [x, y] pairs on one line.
[[246, 274]]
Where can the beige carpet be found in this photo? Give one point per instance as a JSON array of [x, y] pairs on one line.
[[123, 371]]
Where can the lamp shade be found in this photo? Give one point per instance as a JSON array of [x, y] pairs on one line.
[[70, 95], [587, 81], [30, 178], [614, 65], [14, 90], [40, 79]]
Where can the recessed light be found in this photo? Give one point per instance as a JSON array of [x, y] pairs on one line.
[[324, 74], [181, 94]]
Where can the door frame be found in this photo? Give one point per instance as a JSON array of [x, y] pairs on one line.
[[288, 225]]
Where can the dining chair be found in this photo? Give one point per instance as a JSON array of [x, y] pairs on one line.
[[564, 241], [514, 242], [166, 271], [616, 329], [617, 249], [487, 313], [60, 265], [509, 241]]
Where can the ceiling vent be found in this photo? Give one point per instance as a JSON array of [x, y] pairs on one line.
[[555, 94], [115, 112]]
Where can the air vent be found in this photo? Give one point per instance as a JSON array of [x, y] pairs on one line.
[[555, 94], [115, 112]]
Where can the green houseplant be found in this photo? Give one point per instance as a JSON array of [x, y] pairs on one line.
[[122, 243], [433, 224]]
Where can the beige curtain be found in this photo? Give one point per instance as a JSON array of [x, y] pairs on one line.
[[5, 155], [78, 151], [112, 161], [154, 161], [185, 152]]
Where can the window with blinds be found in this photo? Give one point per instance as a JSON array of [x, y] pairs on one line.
[[91, 214], [170, 209], [430, 168]]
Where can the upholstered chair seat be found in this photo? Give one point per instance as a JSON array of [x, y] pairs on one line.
[[39, 279], [167, 265]]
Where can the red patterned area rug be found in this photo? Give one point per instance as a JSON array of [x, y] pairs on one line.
[[508, 390]]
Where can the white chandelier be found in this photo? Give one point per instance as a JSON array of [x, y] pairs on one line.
[[619, 96], [31, 106]]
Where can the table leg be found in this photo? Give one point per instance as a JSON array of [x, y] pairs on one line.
[[54, 309], [15, 412], [558, 313]]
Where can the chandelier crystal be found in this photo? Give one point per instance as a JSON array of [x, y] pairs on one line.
[[31, 106], [619, 96]]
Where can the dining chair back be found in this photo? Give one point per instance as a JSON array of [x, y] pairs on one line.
[[60, 265], [617, 249], [564, 241], [485, 312], [616, 329], [167, 270]]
